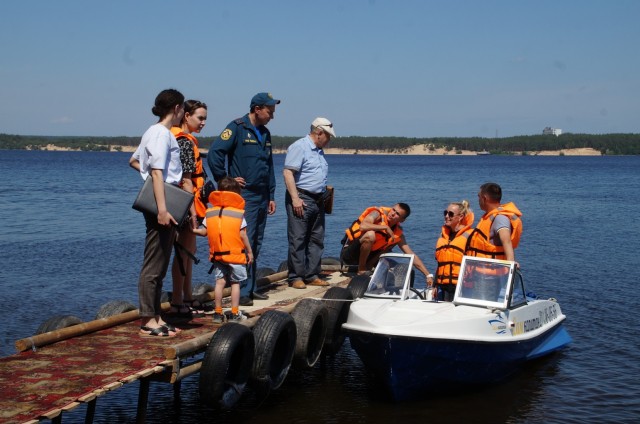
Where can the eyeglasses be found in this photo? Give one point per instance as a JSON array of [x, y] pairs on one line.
[[450, 213]]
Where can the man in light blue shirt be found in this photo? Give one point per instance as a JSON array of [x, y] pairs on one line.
[[305, 176]]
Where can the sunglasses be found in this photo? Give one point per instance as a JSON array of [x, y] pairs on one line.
[[450, 213]]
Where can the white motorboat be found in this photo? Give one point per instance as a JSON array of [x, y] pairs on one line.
[[491, 328]]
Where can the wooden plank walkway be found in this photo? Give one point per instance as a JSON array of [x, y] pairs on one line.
[[44, 381]]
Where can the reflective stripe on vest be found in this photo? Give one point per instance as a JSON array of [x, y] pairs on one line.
[[449, 255]]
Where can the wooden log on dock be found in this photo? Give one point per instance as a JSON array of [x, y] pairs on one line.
[[44, 339], [40, 340]]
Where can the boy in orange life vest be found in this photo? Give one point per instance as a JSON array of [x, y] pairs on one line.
[[229, 247]]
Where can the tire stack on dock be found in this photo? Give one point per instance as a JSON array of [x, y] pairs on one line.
[[238, 357]]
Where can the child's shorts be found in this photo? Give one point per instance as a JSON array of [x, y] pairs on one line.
[[230, 272]]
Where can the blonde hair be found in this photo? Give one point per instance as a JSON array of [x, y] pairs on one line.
[[463, 207]]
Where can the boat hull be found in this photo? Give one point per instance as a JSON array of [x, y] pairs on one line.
[[409, 366]]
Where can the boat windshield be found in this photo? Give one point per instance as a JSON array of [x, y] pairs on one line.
[[485, 282], [391, 274]]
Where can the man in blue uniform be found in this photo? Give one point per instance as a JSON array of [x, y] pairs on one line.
[[246, 145]]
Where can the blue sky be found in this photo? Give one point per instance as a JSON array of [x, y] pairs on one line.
[[374, 67]]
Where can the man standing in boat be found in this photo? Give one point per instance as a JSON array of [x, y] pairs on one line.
[[375, 232], [305, 176], [245, 144], [498, 232], [496, 236]]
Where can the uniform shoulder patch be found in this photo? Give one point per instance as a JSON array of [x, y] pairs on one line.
[[226, 134]]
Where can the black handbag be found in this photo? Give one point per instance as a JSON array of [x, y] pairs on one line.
[[178, 201], [328, 200]]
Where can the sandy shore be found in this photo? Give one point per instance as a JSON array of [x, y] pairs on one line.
[[413, 150], [421, 150]]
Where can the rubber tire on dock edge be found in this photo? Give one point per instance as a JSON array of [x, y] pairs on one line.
[[58, 322], [201, 288], [337, 302], [275, 342], [330, 260], [264, 272], [284, 266], [115, 307], [358, 285], [310, 316], [226, 366]]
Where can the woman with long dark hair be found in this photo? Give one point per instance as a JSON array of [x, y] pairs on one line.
[[158, 157]]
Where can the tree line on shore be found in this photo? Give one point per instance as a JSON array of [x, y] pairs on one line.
[[606, 144]]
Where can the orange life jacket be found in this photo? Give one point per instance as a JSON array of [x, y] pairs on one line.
[[198, 178], [479, 243], [224, 220], [383, 241], [449, 252]]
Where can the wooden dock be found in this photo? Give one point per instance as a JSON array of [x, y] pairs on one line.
[[58, 371]]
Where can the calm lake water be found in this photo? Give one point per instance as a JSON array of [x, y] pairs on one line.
[[70, 242]]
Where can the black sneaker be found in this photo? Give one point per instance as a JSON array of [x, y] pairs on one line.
[[259, 296], [237, 317], [208, 308], [218, 318], [246, 301]]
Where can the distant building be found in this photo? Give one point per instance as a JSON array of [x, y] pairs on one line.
[[552, 131]]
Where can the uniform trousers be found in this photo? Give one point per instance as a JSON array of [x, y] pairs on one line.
[[255, 213]]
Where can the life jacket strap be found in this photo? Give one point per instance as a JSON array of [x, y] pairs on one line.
[[177, 247]]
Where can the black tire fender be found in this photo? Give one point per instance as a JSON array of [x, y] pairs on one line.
[[58, 322], [201, 288], [115, 307], [310, 316], [284, 266], [358, 285], [337, 301], [330, 260], [226, 366], [264, 272], [275, 342]]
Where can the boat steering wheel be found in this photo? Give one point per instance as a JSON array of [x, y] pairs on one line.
[[418, 293]]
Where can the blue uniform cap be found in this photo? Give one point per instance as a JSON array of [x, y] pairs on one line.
[[263, 99]]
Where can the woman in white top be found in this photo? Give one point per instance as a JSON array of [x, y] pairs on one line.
[[158, 157]]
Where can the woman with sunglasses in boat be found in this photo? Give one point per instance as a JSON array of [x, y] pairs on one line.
[[450, 247]]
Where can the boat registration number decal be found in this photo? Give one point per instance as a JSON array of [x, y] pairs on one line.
[[545, 315]]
